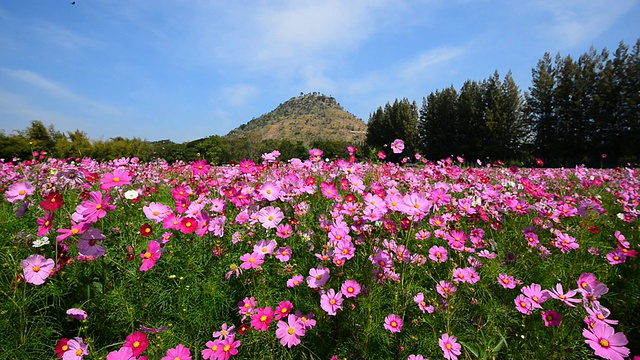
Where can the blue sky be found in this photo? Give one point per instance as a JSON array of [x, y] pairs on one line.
[[184, 70]]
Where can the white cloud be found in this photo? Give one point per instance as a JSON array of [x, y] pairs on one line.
[[63, 38]]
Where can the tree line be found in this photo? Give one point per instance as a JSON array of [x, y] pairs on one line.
[[584, 111], [38, 138]]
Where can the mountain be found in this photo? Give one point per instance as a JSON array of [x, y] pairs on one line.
[[306, 118]]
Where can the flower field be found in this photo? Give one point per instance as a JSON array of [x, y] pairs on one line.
[[317, 259]]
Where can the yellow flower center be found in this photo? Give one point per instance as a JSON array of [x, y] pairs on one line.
[[332, 302], [291, 331], [147, 255], [155, 213], [252, 260], [318, 277], [226, 348], [394, 324], [74, 231], [350, 289], [604, 343], [78, 352], [36, 268], [21, 192], [65, 348], [448, 346], [116, 179], [263, 318], [284, 310]]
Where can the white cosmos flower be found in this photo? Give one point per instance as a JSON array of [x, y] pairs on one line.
[[131, 194], [40, 242]]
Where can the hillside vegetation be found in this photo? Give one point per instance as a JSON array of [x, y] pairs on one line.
[[306, 118]]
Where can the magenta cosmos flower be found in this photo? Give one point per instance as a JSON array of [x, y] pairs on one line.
[[138, 342], [449, 346], [262, 318], [551, 318], [283, 309], [180, 352], [289, 332], [36, 269], [606, 342], [318, 276], [150, 256], [393, 323], [227, 348]]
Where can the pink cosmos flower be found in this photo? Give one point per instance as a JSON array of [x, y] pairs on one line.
[[449, 346], [270, 217], [150, 256], [269, 191], [224, 332], [124, 353], [306, 320], [211, 350], [536, 295], [18, 191], [415, 357], [438, 253], [36, 269], [77, 314], [290, 332], [397, 146], [76, 229], [264, 247], [262, 318], [551, 318], [350, 288], [156, 211], [445, 288], [45, 223], [422, 305], [138, 342], [284, 254], [318, 277], [284, 231], [616, 257], [393, 323], [567, 298], [95, 207], [331, 301], [523, 304], [283, 309], [180, 352], [507, 281], [606, 342], [251, 261], [227, 348], [246, 306], [295, 281], [77, 349], [117, 178]]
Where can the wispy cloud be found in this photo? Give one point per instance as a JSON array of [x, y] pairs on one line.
[[423, 64], [63, 38], [51, 88]]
